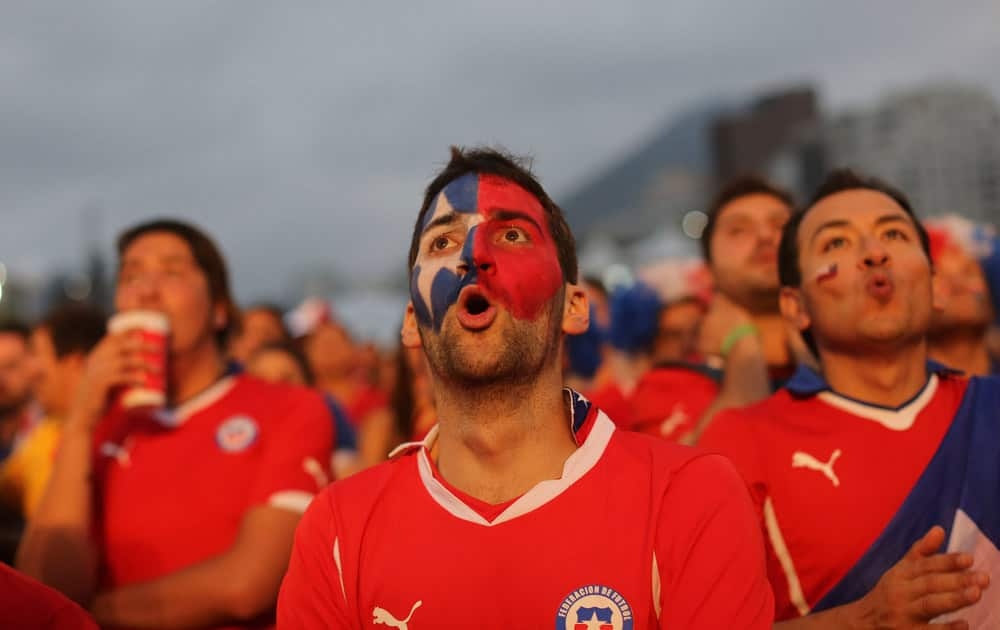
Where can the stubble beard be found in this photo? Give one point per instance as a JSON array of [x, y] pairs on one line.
[[515, 354]]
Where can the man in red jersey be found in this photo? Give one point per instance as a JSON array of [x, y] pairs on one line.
[[524, 507], [852, 468], [183, 517]]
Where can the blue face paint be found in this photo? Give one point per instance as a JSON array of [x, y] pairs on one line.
[[445, 288], [462, 194]]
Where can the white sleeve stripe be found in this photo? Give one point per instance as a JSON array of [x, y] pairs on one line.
[[785, 558], [340, 568], [657, 607], [292, 500]]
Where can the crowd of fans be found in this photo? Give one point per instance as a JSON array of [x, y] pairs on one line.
[[184, 516]]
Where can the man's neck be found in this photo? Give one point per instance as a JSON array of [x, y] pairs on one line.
[[889, 377], [496, 444], [194, 371], [774, 338], [341, 385], [963, 349]]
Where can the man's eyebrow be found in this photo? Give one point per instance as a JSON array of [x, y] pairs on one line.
[[829, 224], [891, 218], [510, 215], [444, 219]]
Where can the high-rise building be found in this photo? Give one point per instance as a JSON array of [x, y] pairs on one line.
[[939, 144]]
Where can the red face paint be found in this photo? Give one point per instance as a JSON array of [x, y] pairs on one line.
[[513, 251], [826, 272]]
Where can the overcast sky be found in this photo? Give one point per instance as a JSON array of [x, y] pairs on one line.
[[302, 134]]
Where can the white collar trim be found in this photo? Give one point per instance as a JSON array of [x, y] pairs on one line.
[[579, 463], [899, 419], [179, 415]]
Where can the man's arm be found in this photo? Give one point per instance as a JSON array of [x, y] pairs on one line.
[[917, 589], [710, 552], [238, 585]]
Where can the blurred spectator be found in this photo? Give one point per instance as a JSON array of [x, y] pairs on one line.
[[743, 331], [259, 325], [60, 344], [663, 399], [959, 329], [333, 357], [412, 399], [16, 373], [677, 333], [284, 362], [180, 517], [28, 604]]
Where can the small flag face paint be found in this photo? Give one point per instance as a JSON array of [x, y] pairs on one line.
[[826, 272]]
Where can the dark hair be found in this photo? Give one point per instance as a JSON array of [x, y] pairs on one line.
[[294, 351], [74, 328], [15, 327], [840, 180], [402, 400], [273, 310], [489, 161], [206, 255], [742, 186]]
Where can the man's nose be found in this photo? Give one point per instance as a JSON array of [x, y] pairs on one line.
[[874, 255]]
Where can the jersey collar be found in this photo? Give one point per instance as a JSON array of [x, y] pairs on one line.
[[176, 416], [808, 382], [592, 430]]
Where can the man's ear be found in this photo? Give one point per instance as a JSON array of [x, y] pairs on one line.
[[576, 310], [793, 309], [220, 316], [410, 334], [939, 297]]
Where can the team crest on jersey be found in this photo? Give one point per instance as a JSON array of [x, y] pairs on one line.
[[236, 434], [594, 607]]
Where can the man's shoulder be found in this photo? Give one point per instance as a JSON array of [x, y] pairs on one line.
[[362, 491], [641, 454], [271, 402]]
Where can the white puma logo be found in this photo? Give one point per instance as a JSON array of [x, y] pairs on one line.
[[676, 418], [805, 460], [384, 617]]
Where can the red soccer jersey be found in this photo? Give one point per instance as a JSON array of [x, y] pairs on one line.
[[668, 401], [172, 490], [366, 400], [638, 533], [26, 603], [827, 473]]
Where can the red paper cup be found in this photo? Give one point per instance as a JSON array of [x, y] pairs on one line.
[[154, 328]]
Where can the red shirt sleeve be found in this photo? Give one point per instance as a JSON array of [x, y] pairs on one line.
[[26, 603], [295, 465], [709, 552], [313, 593]]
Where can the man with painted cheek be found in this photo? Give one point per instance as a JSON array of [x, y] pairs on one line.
[[524, 506], [876, 477]]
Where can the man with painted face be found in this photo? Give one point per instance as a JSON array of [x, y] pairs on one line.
[[861, 471], [524, 506]]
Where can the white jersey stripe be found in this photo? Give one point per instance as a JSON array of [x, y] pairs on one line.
[[781, 550]]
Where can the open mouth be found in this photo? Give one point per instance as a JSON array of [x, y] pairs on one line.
[[475, 312], [880, 287]]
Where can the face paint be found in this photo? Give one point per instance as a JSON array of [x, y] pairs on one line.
[[826, 272], [494, 234]]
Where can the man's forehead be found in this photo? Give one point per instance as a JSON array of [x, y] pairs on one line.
[[475, 193], [860, 208], [753, 206], [160, 245]]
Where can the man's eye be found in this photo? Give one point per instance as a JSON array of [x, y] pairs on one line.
[[895, 234], [514, 235], [835, 243], [440, 243]]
